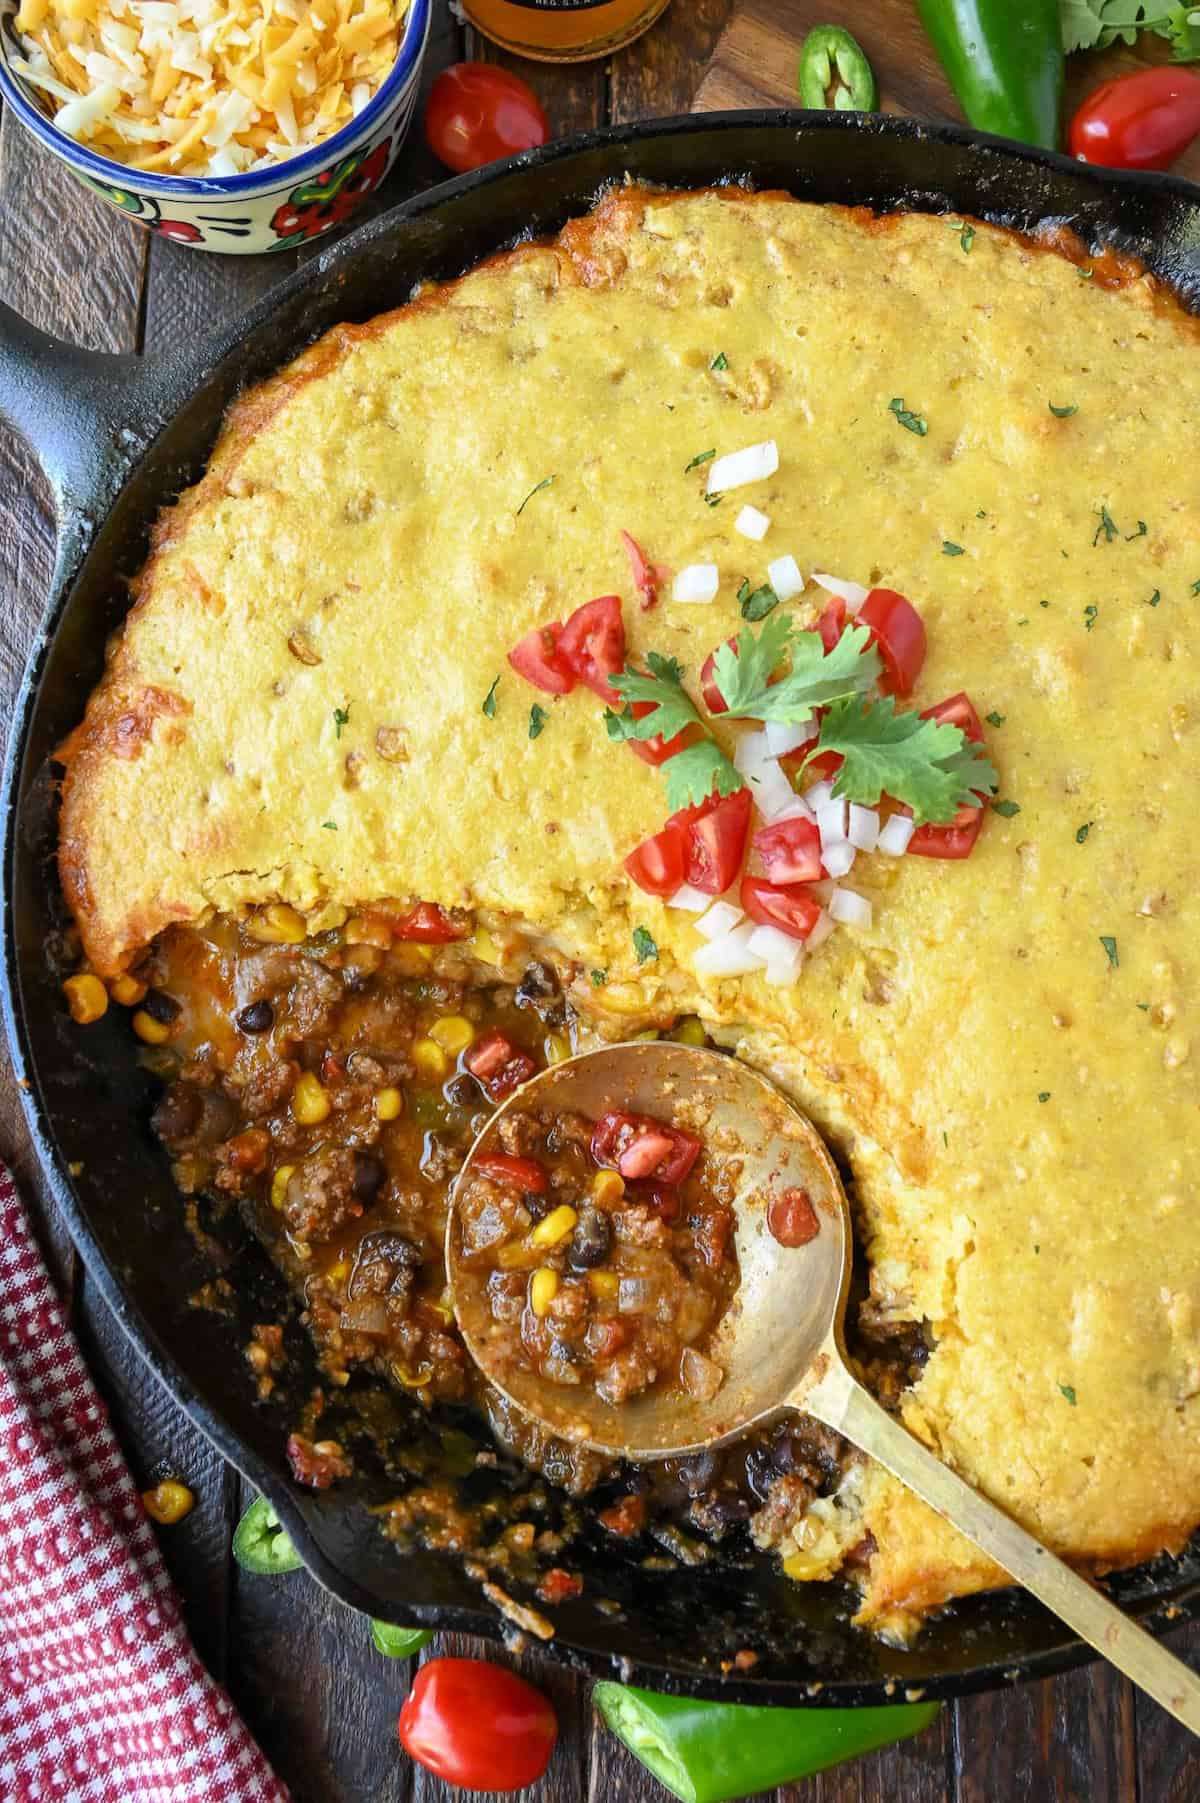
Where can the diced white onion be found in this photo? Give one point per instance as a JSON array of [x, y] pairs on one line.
[[895, 836], [818, 795], [775, 946], [751, 752], [751, 523], [694, 900], [796, 809], [831, 822], [782, 739], [698, 582], [720, 919], [784, 576], [820, 932], [772, 791], [864, 827], [850, 908], [753, 464], [852, 593], [729, 956], [838, 859]]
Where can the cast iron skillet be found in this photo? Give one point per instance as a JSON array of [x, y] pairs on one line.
[[118, 439]]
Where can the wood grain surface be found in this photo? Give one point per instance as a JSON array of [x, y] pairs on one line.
[[299, 1665]]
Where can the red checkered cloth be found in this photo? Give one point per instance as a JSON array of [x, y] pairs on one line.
[[102, 1696]]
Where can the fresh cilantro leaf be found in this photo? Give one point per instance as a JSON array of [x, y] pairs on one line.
[[661, 684], [644, 946], [1083, 831], [599, 978], [1006, 808], [1098, 24], [489, 700], [693, 773], [1062, 412], [537, 720], [950, 549], [1110, 948], [720, 361], [698, 459], [329, 826], [341, 717], [1108, 526], [757, 603], [816, 676], [1155, 598], [912, 422], [934, 768], [995, 719], [1069, 1393], [536, 489]]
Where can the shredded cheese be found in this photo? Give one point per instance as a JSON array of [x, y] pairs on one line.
[[206, 87]]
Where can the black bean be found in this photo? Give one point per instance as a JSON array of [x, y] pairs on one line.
[[369, 1173], [538, 984], [538, 1205], [160, 1006], [725, 1507], [257, 1017], [590, 1240], [177, 1113], [460, 1091], [698, 1472]]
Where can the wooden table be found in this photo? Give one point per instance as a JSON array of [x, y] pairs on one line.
[[299, 1665]]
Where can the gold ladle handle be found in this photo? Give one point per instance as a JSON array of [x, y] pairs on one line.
[[841, 1403]]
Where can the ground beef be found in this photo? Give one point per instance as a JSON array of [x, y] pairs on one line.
[[320, 1196], [312, 999], [385, 1265], [787, 1500], [268, 1087], [317, 1463], [521, 1135]]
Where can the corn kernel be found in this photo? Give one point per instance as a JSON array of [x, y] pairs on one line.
[[557, 1048], [87, 998], [481, 945], [445, 1304], [554, 1229], [517, 1256], [453, 1032], [607, 1188], [543, 1288], [277, 924], [337, 1272], [802, 1565], [604, 1285], [389, 1103], [689, 1031], [650, 1033], [367, 929], [408, 959], [621, 998], [168, 1502], [126, 990], [412, 1380], [279, 1183], [429, 1059], [154, 1032], [310, 1101]]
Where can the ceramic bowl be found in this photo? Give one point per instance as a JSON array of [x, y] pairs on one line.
[[264, 209]]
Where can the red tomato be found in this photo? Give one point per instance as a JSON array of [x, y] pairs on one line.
[[523, 1173], [477, 1725], [1139, 121], [539, 659], [792, 910], [495, 1062], [593, 645], [955, 840], [957, 710], [645, 1154], [825, 765], [714, 701], [791, 1218], [832, 623], [716, 840], [428, 923], [645, 577], [477, 112], [639, 1146], [899, 632], [657, 750], [656, 865], [791, 851]]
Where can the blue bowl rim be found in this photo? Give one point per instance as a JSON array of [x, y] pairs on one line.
[[251, 181]]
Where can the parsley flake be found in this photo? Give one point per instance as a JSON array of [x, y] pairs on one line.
[[536, 489], [329, 826], [966, 233], [995, 719], [1006, 808], [1155, 598], [1090, 615], [1141, 532], [1110, 948], [1069, 1392], [1043, 1095], [644, 946], [713, 500], [599, 978], [489, 700], [757, 603], [950, 549], [537, 720], [341, 717], [1108, 526], [1195, 589], [1083, 831], [1063, 412], [698, 459], [912, 422], [720, 361], [1144, 1006]]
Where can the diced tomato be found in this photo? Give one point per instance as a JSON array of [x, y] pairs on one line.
[[495, 1062], [957, 710], [791, 1218], [428, 923], [639, 1146], [522, 1173], [899, 632], [645, 576], [825, 765], [657, 750], [714, 701], [538, 657], [793, 910], [832, 623], [791, 851], [656, 865], [715, 840], [644, 1154], [559, 1586], [593, 645], [955, 840]]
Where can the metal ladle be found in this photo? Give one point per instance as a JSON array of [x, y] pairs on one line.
[[780, 1343]]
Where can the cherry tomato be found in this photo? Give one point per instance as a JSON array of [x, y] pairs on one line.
[[428, 923], [716, 840], [539, 659], [656, 865], [522, 1173], [657, 750], [478, 112], [898, 631], [645, 577], [477, 1725], [957, 710], [791, 851], [1139, 121], [832, 623], [593, 645], [955, 840], [792, 910], [714, 701]]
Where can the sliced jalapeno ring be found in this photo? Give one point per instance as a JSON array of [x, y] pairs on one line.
[[398, 1643], [835, 74], [260, 1545]]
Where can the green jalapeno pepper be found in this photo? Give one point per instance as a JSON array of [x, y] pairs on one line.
[[835, 74], [709, 1752], [261, 1545], [398, 1643], [1005, 63]]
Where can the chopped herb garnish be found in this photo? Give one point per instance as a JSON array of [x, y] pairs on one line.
[[1036, 1247], [693, 772], [599, 978], [536, 489], [1083, 831], [950, 549], [341, 717], [1196, 587], [757, 603], [966, 233], [644, 946], [713, 500], [1006, 808], [1024, 620], [537, 720], [816, 677], [1144, 1006], [995, 719], [981, 514], [1043, 1095], [932, 767], [1069, 1393], [1043, 604], [1108, 526], [1063, 412], [1155, 598], [912, 422], [720, 361], [698, 459], [1110, 948], [1090, 615], [945, 1137], [1141, 532], [329, 826], [489, 700]]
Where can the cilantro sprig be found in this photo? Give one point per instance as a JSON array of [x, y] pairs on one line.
[[697, 769], [932, 767], [1097, 24], [815, 676]]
